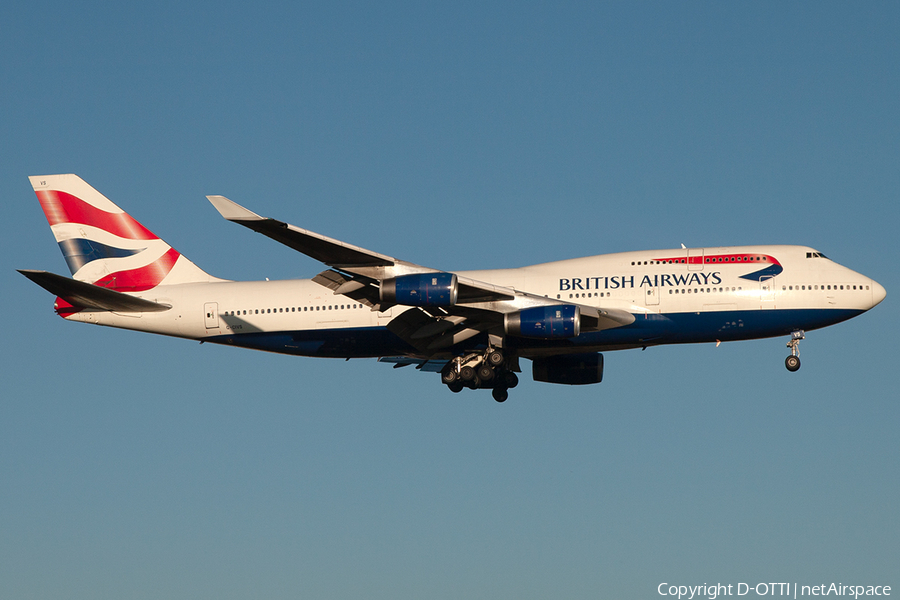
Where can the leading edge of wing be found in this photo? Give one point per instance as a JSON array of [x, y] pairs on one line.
[[333, 253]]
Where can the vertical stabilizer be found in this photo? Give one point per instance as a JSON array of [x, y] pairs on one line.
[[104, 245]]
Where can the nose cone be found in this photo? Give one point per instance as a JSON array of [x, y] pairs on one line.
[[878, 293]]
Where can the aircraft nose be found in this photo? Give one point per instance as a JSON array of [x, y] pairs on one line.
[[878, 293]]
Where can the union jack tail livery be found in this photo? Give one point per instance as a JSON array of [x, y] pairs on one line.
[[104, 245]]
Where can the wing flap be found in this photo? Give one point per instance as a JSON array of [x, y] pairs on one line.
[[359, 289]]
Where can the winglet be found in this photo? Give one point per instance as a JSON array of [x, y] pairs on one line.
[[233, 211]]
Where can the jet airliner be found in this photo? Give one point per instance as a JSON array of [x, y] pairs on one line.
[[471, 327]]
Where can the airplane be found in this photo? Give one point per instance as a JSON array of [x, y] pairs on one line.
[[472, 327]]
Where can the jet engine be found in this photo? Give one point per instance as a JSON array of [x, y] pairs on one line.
[[421, 289], [544, 322], [569, 369]]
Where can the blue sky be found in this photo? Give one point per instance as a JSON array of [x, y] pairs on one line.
[[461, 136]]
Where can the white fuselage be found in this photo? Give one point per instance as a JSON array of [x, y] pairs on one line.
[[680, 285]]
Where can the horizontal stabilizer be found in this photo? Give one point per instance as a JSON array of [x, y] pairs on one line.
[[85, 295]]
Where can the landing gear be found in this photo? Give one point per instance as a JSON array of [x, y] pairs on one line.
[[487, 369], [792, 362], [512, 380]]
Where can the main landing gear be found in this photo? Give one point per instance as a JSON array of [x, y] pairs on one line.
[[792, 362], [487, 370]]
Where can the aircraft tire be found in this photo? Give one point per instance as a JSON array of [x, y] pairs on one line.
[[500, 394], [455, 387], [485, 373], [467, 373], [449, 376], [495, 358], [792, 363], [512, 380]]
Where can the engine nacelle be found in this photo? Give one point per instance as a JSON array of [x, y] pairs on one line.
[[421, 289], [544, 322], [569, 369]]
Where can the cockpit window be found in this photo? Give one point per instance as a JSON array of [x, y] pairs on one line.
[[815, 255]]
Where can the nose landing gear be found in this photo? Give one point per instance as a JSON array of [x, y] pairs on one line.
[[792, 362]]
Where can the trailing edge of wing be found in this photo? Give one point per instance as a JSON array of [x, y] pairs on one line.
[[333, 253], [86, 295]]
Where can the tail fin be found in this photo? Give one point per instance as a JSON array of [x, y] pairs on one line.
[[104, 245]]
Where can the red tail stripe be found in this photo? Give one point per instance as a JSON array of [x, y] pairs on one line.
[[62, 207], [143, 278]]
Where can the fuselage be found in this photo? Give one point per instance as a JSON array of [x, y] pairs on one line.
[[677, 296]]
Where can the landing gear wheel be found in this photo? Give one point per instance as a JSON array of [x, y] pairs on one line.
[[495, 358], [449, 376], [467, 373], [512, 380], [500, 394], [792, 363], [455, 387], [485, 373]]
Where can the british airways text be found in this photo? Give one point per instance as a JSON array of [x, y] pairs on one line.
[[628, 281]]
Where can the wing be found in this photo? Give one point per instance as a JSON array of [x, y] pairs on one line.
[[475, 307], [355, 268]]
